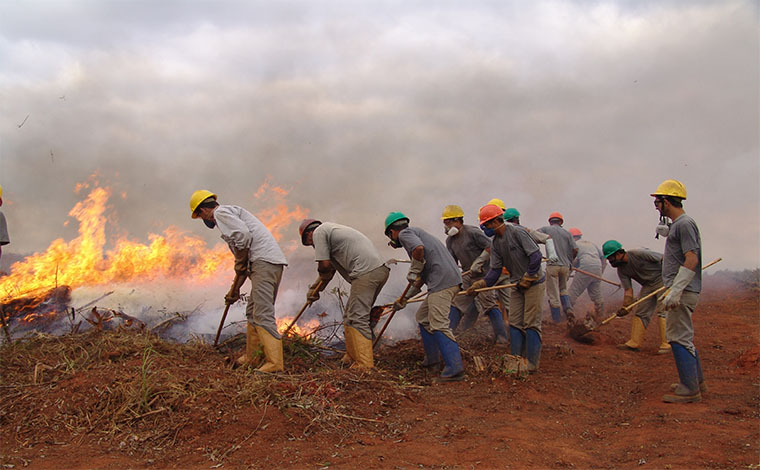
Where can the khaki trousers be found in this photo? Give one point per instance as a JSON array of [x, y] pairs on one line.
[[556, 283], [364, 292], [433, 314], [484, 301], [525, 307], [265, 281], [646, 309], [679, 328]]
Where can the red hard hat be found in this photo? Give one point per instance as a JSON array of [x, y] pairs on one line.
[[489, 212], [304, 225], [576, 232], [556, 215]]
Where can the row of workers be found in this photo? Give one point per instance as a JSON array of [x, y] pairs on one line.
[[502, 251]]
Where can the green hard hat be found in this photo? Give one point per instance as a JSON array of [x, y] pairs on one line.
[[392, 218], [611, 247], [511, 213]]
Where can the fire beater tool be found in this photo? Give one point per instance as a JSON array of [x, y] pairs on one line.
[[236, 284], [381, 310], [597, 277], [579, 330], [393, 312], [300, 312]]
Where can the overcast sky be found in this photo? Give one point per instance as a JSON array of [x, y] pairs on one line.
[[361, 108]]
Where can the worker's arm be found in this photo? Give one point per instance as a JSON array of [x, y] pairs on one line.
[[691, 261]]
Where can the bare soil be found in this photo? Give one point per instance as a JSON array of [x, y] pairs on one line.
[[116, 400]]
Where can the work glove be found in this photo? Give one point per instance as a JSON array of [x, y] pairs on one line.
[[241, 261], [479, 284], [551, 253], [627, 300], [526, 281], [478, 266], [232, 296], [312, 294], [673, 297], [401, 302], [415, 270]]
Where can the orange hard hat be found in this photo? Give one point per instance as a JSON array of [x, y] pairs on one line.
[[489, 212], [556, 215], [576, 232], [302, 229]]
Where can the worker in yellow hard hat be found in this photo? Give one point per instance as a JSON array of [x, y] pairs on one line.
[[466, 244], [4, 238], [682, 275], [258, 258]]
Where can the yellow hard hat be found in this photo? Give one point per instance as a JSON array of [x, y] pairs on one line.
[[1, 191], [197, 198], [671, 188], [498, 203], [452, 212]]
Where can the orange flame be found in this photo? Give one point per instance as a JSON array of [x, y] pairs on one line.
[[305, 330], [85, 261]]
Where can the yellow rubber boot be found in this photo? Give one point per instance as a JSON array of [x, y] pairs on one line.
[[361, 349], [252, 355], [348, 358], [664, 345], [637, 336], [272, 351]]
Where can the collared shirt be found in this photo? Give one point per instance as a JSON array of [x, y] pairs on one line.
[[349, 250], [242, 230], [440, 271], [682, 238]]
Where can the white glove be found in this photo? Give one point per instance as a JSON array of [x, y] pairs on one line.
[[415, 270], [683, 278], [551, 253]]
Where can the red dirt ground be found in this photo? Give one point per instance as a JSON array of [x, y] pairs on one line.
[[590, 406]]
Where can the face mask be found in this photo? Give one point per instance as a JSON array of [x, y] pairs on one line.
[[488, 231], [394, 244], [616, 263], [663, 228], [209, 223], [451, 231]]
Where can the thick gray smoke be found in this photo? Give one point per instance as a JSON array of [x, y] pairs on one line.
[[582, 108]]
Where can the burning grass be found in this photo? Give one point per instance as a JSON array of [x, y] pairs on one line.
[[132, 391]]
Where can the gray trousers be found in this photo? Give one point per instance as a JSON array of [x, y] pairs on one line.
[[364, 292], [504, 295], [484, 301], [556, 283], [433, 314], [525, 307], [265, 281], [679, 328], [581, 283], [645, 310]]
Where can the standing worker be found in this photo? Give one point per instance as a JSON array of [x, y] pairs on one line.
[[351, 253], [557, 271], [257, 257], [466, 243], [645, 267], [4, 238], [514, 249], [589, 258], [682, 274], [431, 265]]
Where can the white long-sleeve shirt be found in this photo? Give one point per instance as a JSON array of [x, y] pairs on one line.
[[242, 230]]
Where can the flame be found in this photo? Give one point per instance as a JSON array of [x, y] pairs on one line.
[[305, 329], [85, 260]]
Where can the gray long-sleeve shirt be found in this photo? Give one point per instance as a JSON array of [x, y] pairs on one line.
[[242, 230], [643, 266], [564, 244]]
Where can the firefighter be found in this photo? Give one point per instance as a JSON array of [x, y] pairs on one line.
[[558, 271], [513, 248], [466, 243], [258, 258], [682, 275], [432, 265], [348, 251], [591, 260], [645, 267]]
